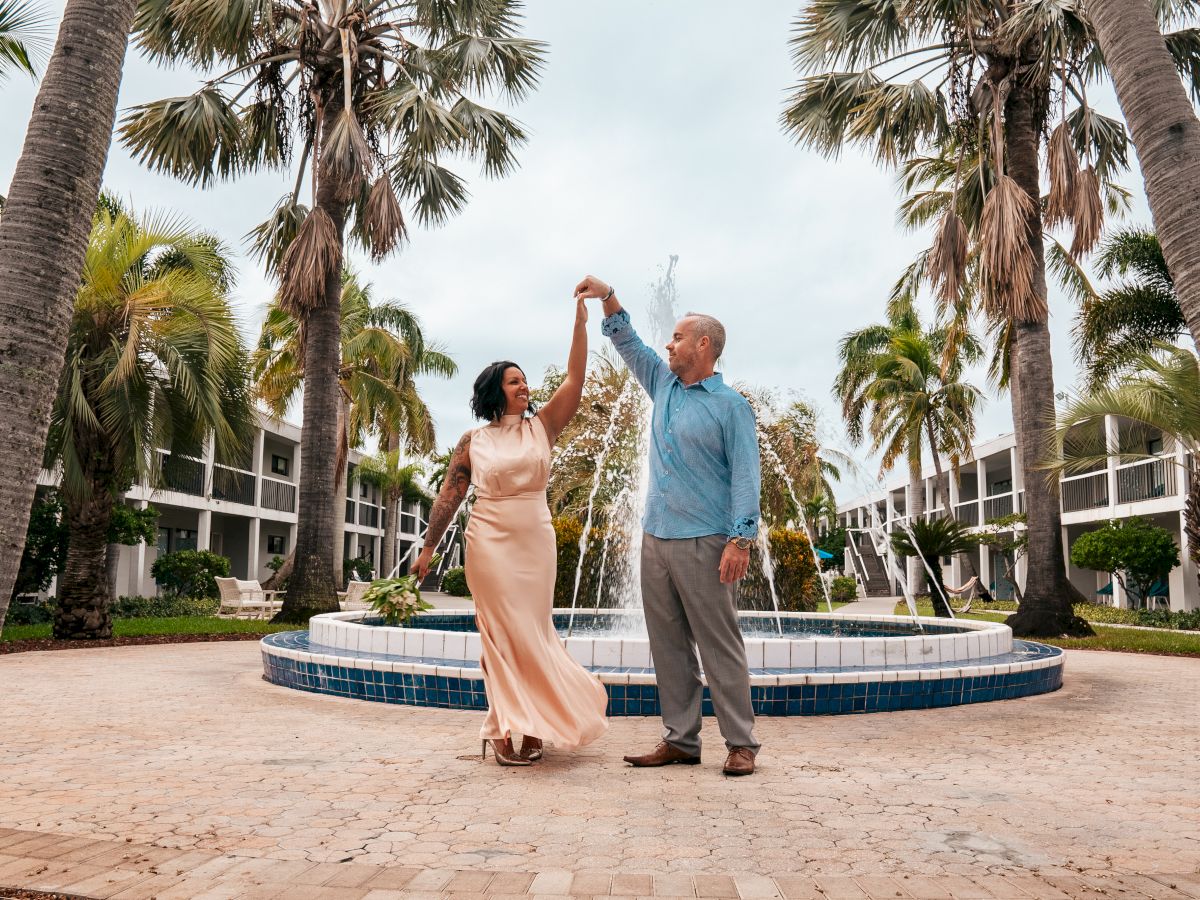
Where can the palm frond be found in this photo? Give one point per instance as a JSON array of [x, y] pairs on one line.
[[196, 139], [383, 220], [270, 241], [24, 36], [437, 191], [1006, 260], [310, 258]]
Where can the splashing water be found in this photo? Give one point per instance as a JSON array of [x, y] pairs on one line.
[[607, 442], [764, 444]]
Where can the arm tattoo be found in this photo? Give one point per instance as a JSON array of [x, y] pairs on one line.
[[454, 489]]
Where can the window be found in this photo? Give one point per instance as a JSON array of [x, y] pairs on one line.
[[276, 544], [1154, 446], [185, 539], [364, 490], [279, 465]]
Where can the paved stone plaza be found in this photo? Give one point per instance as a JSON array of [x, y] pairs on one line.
[[175, 771]]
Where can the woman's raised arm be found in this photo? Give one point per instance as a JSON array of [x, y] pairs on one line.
[[449, 499], [565, 401]]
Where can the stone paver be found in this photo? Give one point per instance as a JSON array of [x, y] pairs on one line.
[[175, 771]]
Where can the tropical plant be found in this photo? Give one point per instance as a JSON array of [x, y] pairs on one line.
[[190, 573], [797, 470], [1136, 552], [377, 95], [383, 350], [43, 239], [929, 541], [897, 387], [1008, 536], [45, 544], [989, 79], [359, 568], [153, 359], [1161, 393], [23, 35], [1145, 66], [794, 574], [399, 482], [1130, 318]]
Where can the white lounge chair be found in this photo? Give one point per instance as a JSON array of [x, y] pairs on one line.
[[353, 593], [242, 599]]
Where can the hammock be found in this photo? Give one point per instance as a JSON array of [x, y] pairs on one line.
[[972, 585]]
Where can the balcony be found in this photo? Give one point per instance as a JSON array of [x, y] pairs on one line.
[[183, 474], [1087, 491], [234, 485], [967, 513], [997, 506], [1145, 480], [276, 494], [368, 515]]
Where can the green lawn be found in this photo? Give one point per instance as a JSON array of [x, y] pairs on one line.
[[1124, 640], [140, 627]]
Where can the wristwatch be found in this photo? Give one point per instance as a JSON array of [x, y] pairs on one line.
[[742, 543]]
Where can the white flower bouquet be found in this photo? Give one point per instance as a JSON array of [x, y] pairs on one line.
[[396, 600]]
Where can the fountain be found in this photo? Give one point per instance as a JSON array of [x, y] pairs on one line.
[[800, 663]]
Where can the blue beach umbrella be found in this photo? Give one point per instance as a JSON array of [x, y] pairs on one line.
[[821, 554]]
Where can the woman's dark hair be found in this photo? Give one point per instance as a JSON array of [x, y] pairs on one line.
[[488, 402]]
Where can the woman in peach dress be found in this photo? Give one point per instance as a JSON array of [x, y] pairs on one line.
[[534, 688]]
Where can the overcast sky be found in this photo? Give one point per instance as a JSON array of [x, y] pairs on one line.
[[654, 131]]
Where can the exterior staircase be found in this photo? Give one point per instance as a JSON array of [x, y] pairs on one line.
[[860, 550]]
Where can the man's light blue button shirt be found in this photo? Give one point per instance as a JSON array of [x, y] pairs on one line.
[[704, 466]]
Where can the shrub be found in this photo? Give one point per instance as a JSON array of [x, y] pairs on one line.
[[190, 573], [843, 588], [1137, 552], [795, 574], [454, 582], [164, 607], [30, 613], [359, 567], [567, 531]]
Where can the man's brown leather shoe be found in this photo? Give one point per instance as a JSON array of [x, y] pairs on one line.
[[739, 762], [665, 754]]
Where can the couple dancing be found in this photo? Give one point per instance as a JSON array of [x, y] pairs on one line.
[[702, 513]]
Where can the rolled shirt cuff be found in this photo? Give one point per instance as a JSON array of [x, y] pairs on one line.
[[615, 324], [744, 527]]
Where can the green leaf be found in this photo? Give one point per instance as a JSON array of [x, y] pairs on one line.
[[196, 139], [437, 192]]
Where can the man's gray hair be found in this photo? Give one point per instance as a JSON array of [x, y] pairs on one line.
[[709, 327]]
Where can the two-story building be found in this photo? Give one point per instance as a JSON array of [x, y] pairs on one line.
[[989, 486], [248, 514]]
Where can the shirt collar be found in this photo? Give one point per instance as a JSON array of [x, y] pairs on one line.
[[710, 384]]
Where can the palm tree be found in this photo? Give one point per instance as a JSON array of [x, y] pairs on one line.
[[896, 388], [43, 238], [383, 350], [929, 541], [1145, 67], [988, 78], [22, 35], [1132, 317], [153, 359], [375, 93], [1162, 392], [400, 483]]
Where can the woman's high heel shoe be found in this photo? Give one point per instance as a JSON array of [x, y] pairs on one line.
[[504, 753], [531, 748]]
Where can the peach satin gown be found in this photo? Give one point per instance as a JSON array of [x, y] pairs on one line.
[[533, 686]]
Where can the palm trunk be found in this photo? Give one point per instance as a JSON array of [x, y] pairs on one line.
[[84, 593], [387, 555], [914, 508], [1191, 519], [342, 491], [1046, 609], [1166, 133], [43, 236], [313, 586]]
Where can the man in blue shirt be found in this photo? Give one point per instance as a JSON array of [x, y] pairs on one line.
[[702, 514]]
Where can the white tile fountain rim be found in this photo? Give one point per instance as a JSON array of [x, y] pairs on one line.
[[344, 631], [856, 676]]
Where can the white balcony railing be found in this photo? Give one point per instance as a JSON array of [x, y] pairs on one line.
[[1145, 480], [277, 494], [997, 506], [967, 513], [1086, 491]]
